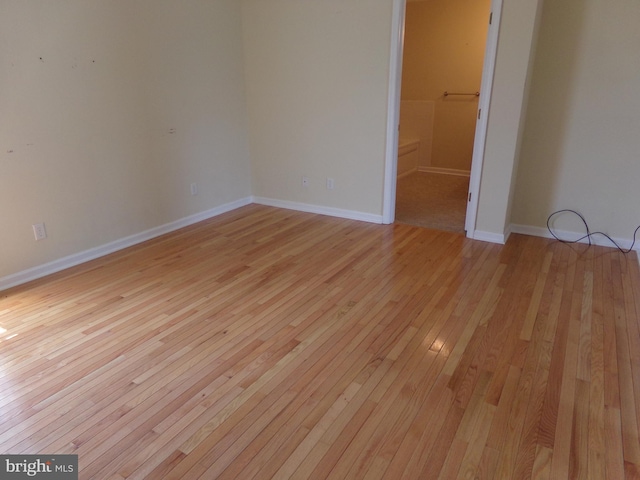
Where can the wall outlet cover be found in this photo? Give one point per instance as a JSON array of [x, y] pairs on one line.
[[331, 183], [39, 231]]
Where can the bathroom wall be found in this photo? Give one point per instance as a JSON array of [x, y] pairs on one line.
[[416, 123], [444, 51]]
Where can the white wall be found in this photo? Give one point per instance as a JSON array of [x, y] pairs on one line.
[[317, 79], [581, 145], [109, 110]]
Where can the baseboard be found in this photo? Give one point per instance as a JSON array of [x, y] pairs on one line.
[[445, 171], [407, 173], [93, 253], [332, 212], [599, 240], [490, 237]]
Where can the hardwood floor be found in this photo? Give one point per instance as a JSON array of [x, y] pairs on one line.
[[268, 343]]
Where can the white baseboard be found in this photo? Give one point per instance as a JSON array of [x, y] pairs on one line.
[[93, 253], [624, 243], [445, 171], [407, 173], [490, 237], [332, 212]]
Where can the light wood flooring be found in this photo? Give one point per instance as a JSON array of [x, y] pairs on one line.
[[268, 343]]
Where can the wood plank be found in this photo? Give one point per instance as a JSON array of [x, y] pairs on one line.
[[268, 343]]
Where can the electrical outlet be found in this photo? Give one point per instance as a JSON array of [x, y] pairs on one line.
[[331, 183], [194, 189], [305, 181], [39, 231]]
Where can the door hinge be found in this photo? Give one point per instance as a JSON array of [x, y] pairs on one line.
[[469, 199], [490, 18], [479, 112]]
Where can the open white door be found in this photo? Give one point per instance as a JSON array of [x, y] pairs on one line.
[[479, 142]]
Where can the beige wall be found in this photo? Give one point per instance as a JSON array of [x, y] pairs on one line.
[[108, 112], [104, 150], [416, 123], [443, 51], [581, 141], [317, 81]]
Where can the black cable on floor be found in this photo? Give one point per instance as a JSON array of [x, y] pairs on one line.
[[589, 233]]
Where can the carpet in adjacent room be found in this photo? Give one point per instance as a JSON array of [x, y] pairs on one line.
[[432, 200]]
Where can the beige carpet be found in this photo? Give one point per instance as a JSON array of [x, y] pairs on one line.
[[432, 200]]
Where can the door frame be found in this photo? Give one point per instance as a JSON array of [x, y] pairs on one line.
[[393, 115]]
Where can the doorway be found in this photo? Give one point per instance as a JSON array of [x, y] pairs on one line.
[[444, 42], [438, 120]]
